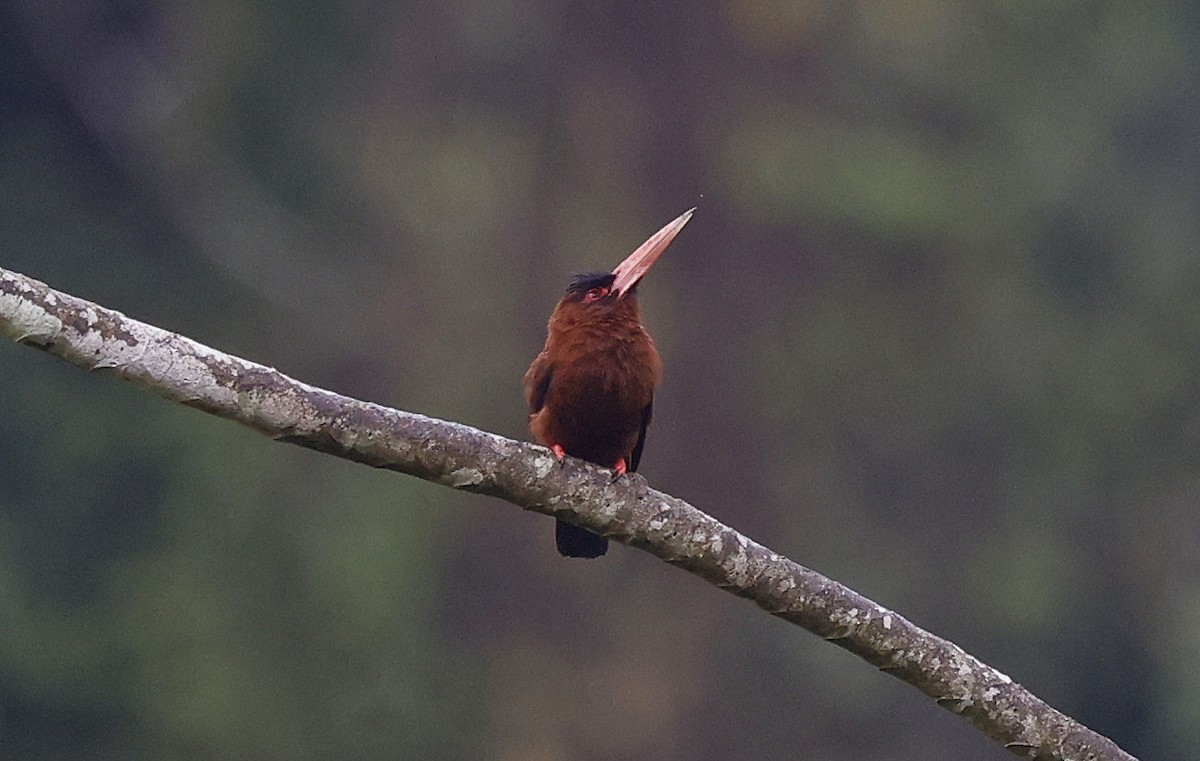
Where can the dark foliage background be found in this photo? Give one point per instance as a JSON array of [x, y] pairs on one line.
[[933, 332]]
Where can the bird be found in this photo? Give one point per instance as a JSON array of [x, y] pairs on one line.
[[590, 390]]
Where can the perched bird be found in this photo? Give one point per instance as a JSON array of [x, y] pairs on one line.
[[591, 389]]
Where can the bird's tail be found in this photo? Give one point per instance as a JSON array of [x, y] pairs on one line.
[[576, 542]]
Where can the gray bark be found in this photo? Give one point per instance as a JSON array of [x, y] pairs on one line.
[[626, 510]]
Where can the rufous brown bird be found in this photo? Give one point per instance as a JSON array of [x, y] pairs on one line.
[[591, 389]]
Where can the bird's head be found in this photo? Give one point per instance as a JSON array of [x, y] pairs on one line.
[[592, 294]]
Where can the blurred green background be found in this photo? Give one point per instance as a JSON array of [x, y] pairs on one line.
[[933, 332]]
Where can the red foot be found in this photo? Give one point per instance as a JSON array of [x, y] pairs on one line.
[[619, 467]]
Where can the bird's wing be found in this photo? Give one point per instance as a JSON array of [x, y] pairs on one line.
[[641, 440], [537, 382]]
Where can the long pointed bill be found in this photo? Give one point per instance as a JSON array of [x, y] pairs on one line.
[[637, 264]]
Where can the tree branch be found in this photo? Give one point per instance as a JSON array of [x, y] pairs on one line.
[[626, 510]]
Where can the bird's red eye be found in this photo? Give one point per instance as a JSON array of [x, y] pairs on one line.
[[595, 294]]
